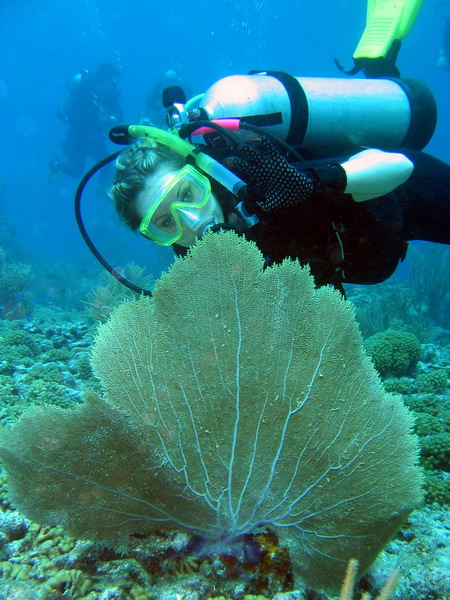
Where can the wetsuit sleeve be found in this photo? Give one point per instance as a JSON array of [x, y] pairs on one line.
[[424, 199]]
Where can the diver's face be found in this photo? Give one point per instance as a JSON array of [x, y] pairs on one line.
[[176, 207]]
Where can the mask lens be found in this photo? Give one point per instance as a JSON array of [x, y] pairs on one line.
[[187, 190]]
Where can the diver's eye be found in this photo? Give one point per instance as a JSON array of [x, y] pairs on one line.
[[167, 221], [186, 195]]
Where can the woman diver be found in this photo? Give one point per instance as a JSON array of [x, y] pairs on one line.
[[349, 218]]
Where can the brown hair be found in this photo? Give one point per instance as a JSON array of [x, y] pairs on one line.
[[133, 168]]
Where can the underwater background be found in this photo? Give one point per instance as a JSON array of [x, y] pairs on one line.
[[53, 292]]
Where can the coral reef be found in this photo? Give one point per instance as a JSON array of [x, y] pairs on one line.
[[15, 281], [110, 292], [284, 427], [45, 563], [426, 392], [393, 352], [434, 381]]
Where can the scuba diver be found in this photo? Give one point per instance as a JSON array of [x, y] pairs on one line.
[[333, 215], [151, 113], [325, 171], [90, 108]]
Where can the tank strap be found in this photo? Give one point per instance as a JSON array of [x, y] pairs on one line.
[[299, 105], [421, 101]]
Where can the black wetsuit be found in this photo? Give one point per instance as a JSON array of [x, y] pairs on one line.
[[361, 242], [345, 241]]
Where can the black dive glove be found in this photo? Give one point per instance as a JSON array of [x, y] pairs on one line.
[[270, 178]]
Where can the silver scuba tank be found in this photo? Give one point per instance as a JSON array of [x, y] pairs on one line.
[[327, 116]]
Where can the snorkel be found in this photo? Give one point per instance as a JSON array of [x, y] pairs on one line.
[[127, 134]]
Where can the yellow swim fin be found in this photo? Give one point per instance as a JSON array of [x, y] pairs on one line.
[[387, 20]]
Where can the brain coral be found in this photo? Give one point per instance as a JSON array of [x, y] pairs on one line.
[[393, 352]]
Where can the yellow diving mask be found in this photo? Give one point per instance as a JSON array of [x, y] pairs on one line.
[[181, 208]]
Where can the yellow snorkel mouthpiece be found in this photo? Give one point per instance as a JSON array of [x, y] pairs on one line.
[[387, 20]]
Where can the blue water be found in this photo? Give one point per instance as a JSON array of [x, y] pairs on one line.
[[45, 42]]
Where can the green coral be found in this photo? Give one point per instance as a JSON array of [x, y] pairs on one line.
[[56, 355], [7, 384], [8, 399], [402, 386], [393, 352], [7, 367], [430, 404], [427, 425], [20, 337], [18, 347], [437, 487], [435, 452], [49, 373], [432, 424], [435, 381], [16, 353], [45, 392], [83, 367]]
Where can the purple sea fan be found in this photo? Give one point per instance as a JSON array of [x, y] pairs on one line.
[[236, 398]]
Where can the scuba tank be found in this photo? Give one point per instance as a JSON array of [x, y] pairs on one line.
[[323, 117]]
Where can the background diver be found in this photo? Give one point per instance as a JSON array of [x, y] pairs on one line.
[[151, 113], [90, 108]]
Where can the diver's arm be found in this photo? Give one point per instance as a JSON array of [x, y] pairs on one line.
[[275, 183], [373, 173], [368, 174]]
